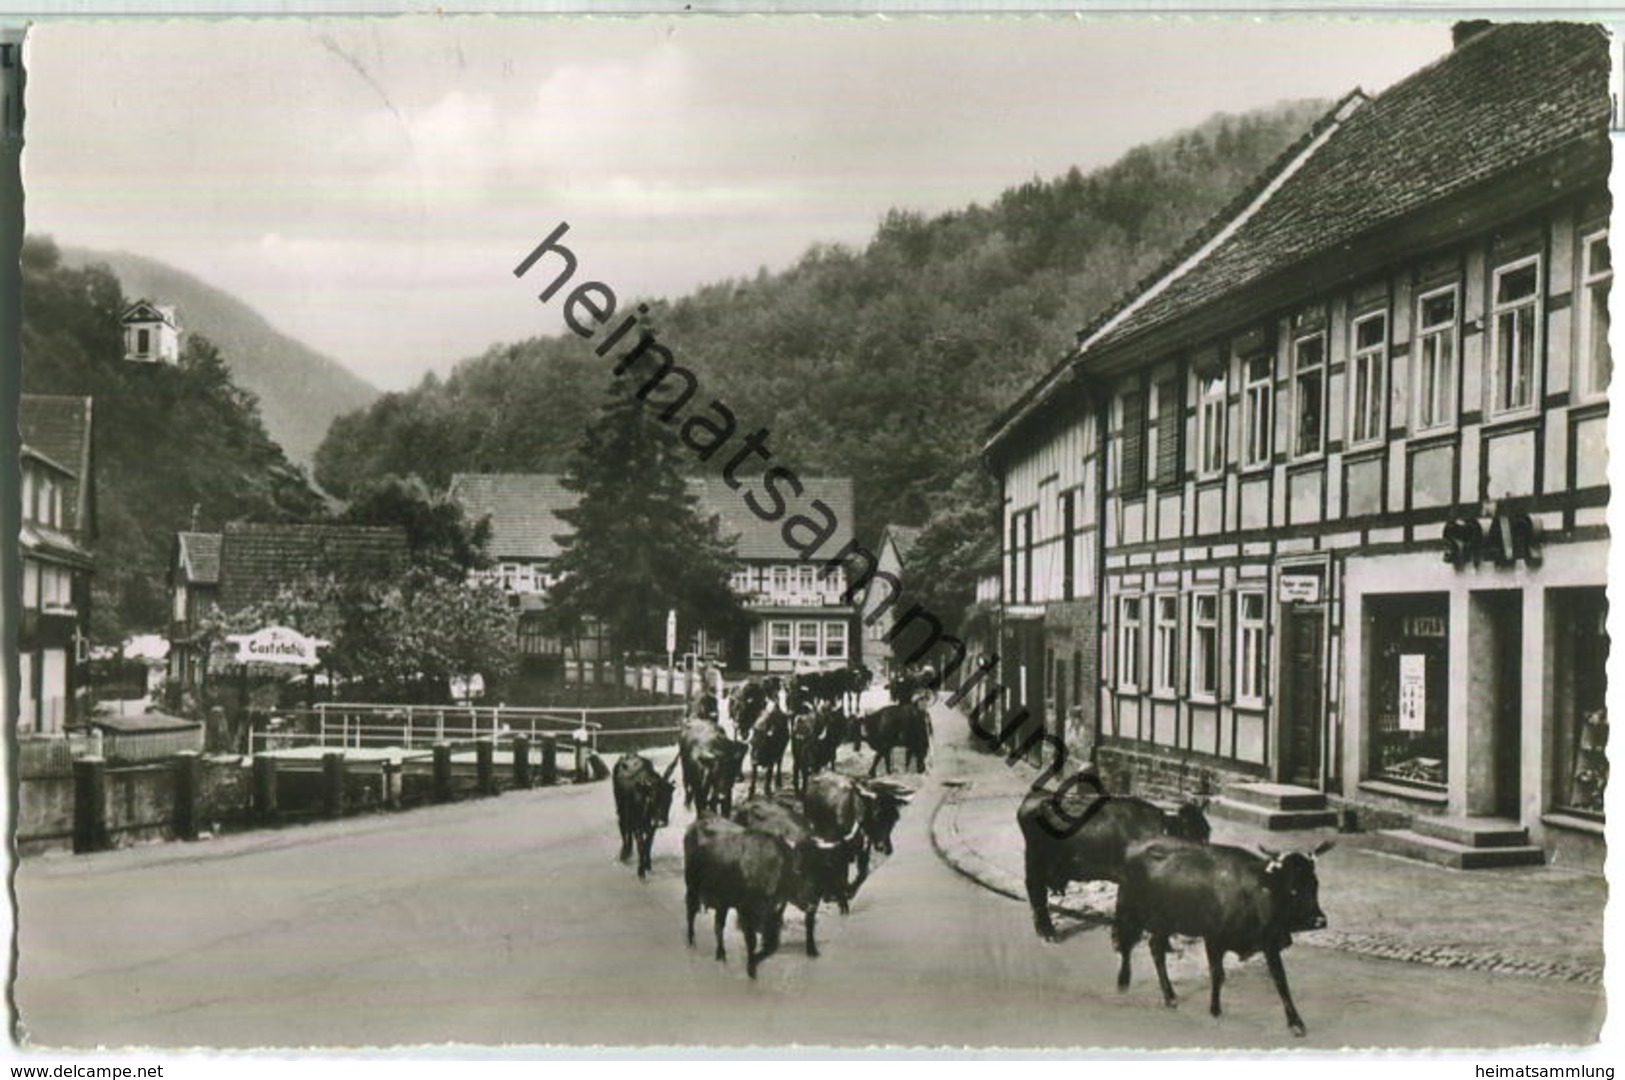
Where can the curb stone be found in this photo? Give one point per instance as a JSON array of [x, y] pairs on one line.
[[945, 839]]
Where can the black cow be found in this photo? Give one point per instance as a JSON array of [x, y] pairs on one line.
[[711, 762], [1232, 899], [642, 804], [906, 726], [768, 741], [726, 865], [815, 740], [858, 814], [822, 860], [1066, 851]]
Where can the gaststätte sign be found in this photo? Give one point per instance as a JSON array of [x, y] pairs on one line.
[[277, 645]]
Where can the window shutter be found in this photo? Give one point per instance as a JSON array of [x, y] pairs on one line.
[[1170, 429], [1131, 481]]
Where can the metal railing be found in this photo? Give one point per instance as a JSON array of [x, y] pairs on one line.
[[359, 725]]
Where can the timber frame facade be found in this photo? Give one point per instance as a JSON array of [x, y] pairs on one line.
[[1338, 470]]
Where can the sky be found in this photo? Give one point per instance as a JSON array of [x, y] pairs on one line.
[[369, 185]]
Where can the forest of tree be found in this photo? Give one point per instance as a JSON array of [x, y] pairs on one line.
[[885, 365], [174, 446]]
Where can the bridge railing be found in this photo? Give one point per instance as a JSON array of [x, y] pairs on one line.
[[340, 725]]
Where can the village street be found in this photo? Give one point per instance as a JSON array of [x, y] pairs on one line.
[[508, 922]]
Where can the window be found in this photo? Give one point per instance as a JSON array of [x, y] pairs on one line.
[[835, 639], [1205, 646], [778, 634], [1131, 459], [1170, 429], [1210, 424], [807, 639], [1436, 337], [1258, 404], [781, 579], [1578, 626], [1250, 647], [1128, 643], [1407, 653], [758, 639], [740, 582], [143, 342], [1596, 275], [1022, 525], [1366, 378], [1165, 660], [1309, 394], [807, 579], [28, 494], [1069, 554], [31, 585], [1514, 349]]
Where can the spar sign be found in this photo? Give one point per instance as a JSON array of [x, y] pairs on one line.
[[277, 645]]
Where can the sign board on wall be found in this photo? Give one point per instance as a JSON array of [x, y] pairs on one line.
[[1413, 692], [1298, 588], [277, 645]]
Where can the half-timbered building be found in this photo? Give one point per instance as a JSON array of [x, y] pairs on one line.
[[1344, 459]]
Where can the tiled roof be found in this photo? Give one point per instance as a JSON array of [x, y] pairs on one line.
[[1508, 97], [1512, 96], [59, 427], [523, 509], [257, 560], [198, 557]]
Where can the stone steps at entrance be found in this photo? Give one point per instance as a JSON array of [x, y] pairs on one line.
[[1277, 807], [1413, 844], [1472, 832]]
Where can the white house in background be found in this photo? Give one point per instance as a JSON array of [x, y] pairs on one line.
[[151, 334]]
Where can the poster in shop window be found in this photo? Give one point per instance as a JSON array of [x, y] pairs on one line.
[[1413, 687]]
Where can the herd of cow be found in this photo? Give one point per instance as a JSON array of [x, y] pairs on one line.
[[800, 846]]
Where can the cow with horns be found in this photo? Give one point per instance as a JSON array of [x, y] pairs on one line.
[[1085, 836], [1232, 899]]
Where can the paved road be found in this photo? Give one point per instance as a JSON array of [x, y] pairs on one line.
[[508, 922]]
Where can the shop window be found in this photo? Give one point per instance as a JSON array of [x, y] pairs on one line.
[[1407, 696], [1579, 619], [1436, 360]]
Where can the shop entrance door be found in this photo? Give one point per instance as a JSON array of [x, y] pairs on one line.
[[1302, 712]]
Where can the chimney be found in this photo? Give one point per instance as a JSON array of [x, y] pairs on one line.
[[1467, 30]]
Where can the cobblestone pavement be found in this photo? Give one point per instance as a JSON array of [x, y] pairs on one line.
[[1535, 922]]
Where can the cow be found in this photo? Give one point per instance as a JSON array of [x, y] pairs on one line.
[[768, 740], [1232, 899], [859, 814], [906, 726], [726, 865], [711, 763], [1085, 838], [642, 804], [750, 700], [822, 860], [815, 740]]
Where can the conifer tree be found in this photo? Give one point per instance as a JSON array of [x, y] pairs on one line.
[[639, 546]]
